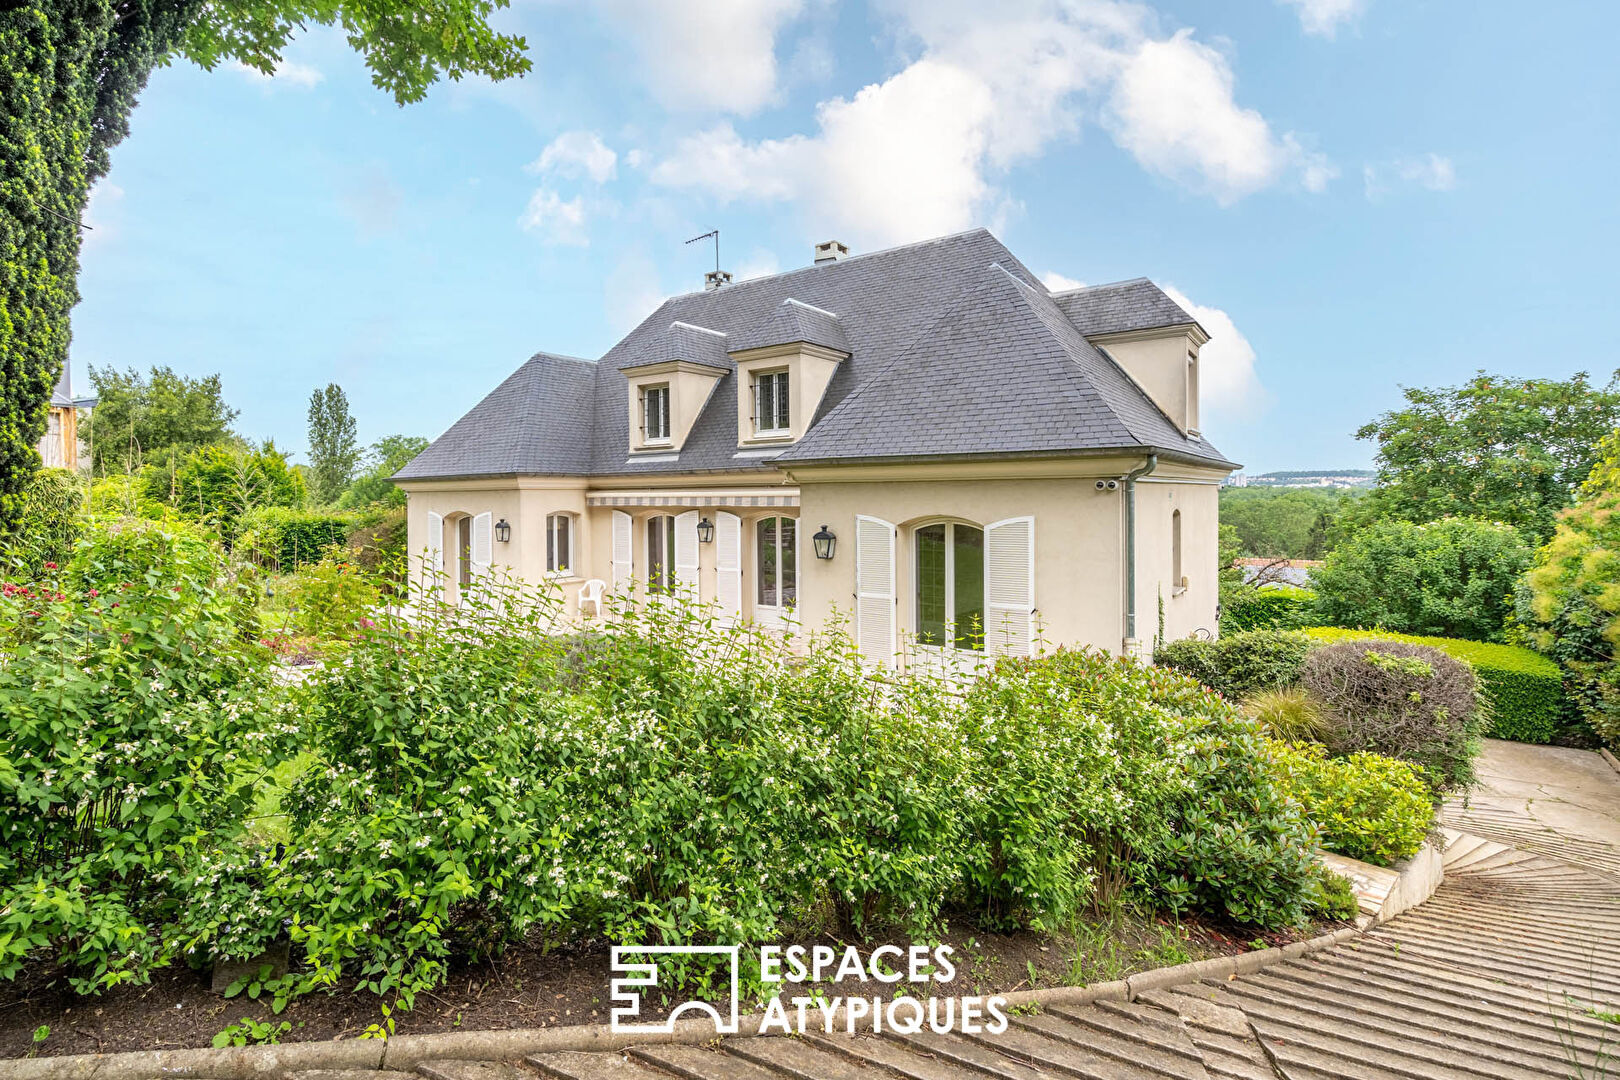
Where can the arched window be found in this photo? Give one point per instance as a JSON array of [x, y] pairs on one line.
[[559, 543], [950, 585], [777, 544], [661, 553], [1176, 580], [464, 541]]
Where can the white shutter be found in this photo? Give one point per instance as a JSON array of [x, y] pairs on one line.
[[435, 543], [874, 589], [686, 556], [621, 548], [728, 564], [483, 543], [1009, 585]]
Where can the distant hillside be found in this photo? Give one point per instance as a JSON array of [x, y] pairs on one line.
[[1318, 478]]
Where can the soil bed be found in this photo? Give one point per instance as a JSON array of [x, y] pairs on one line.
[[530, 987]]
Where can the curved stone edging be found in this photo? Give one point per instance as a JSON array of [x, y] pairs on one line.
[[1614, 763], [405, 1052]]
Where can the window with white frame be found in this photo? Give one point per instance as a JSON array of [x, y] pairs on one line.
[[661, 553], [950, 586], [655, 413], [559, 543], [777, 544], [771, 403]]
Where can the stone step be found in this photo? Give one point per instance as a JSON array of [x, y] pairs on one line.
[[473, 1070], [880, 1053], [1061, 1057], [567, 1065], [969, 1054], [701, 1063], [1174, 1064]]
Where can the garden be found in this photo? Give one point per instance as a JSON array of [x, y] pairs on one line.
[[444, 816]]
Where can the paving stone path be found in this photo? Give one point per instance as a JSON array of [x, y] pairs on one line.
[[1495, 978]]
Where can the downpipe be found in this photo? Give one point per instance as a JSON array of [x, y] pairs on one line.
[[1130, 479]]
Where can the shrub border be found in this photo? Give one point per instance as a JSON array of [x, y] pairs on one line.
[[404, 1053]]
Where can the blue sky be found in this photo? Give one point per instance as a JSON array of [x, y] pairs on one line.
[[1356, 194]]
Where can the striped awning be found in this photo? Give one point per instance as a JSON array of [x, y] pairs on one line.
[[695, 499]]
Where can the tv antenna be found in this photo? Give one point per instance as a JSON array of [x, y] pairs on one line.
[[716, 234]]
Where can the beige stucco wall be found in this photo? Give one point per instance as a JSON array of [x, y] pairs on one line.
[[524, 502], [1077, 538], [1158, 361], [1079, 534], [1185, 612]]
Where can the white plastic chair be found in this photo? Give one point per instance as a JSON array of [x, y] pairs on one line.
[[592, 593]]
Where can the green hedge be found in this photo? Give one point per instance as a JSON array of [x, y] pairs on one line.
[[281, 539], [1239, 665], [1269, 609], [1525, 689]]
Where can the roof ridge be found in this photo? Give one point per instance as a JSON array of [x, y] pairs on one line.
[[562, 356], [695, 326], [1101, 285], [810, 307], [845, 261]]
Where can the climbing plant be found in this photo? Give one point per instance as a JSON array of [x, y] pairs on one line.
[[73, 71]]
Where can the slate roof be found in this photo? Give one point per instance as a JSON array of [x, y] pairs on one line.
[[1137, 304], [537, 421], [793, 323], [695, 344], [954, 349]]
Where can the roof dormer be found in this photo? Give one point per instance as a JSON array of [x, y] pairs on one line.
[[667, 393], [784, 365], [1163, 361]]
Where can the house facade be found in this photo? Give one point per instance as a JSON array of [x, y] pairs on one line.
[[924, 443], [59, 446]]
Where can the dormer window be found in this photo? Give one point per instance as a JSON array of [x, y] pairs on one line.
[[655, 413], [771, 414]]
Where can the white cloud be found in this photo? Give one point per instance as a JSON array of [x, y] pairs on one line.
[[1431, 171], [705, 54], [1324, 17], [287, 73], [575, 154], [1227, 382], [919, 153], [1173, 108], [1056, 282], [631, 292], [760, 263], [556, 221], [101, 213]]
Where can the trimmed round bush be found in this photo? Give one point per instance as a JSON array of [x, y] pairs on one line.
[[1411, 702], [1239, 665], [1367, 806], [1525, 690]]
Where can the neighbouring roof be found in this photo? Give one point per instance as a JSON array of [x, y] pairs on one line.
[[953, 348], [62, 396]]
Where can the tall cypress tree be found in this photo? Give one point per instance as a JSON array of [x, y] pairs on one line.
[[72, 70]]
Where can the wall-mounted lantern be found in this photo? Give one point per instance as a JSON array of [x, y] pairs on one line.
[[705, 531], [824, 541], [503, 531]]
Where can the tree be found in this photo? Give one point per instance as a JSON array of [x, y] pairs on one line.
[[1570, 603], [333, 452], [218, 484], [136, 416], [1501, 449], [73, 71], [1449, 578], [386, 457], [1283, 523]]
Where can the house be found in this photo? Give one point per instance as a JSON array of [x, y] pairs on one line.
[[59, 446], [924, 441]]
